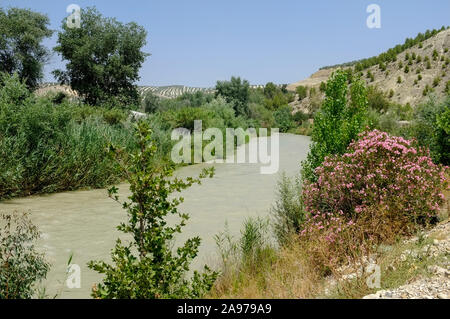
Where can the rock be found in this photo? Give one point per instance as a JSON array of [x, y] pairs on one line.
[[442, 296]]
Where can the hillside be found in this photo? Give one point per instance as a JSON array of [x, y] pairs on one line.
[[411, 66]]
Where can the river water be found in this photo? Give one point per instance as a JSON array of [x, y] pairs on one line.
[[83, 223]]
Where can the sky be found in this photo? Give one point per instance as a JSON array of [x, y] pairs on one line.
[[198, 42]]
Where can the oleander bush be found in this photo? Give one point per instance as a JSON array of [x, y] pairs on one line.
[[382, 188]]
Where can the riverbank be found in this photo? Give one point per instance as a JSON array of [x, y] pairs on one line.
[[83, 223]]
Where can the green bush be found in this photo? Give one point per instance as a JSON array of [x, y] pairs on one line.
[[377, 99], [47, 148], [22, 267], [302, 92], [260, 113], [299, 117], [430, 129], [340, 119], [236, 92], [284, 119], [288, 212], [148, 267]]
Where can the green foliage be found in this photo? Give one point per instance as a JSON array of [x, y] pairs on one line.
[[150, 102], [323, 87], [22, 267], [277, 101], [148, 268], [236, 92], [284, 119], [338, 122], [260, 113], [253, 242], [391, 93], [436, 81], [431, 129], [104, 57], [288, 212], [391, 54], [302, 92], [399, 79], [21, 49], [299, 117], [427, 90], [270, 90], [47, 148], [377, 99]]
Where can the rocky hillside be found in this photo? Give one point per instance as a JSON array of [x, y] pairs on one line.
[[421, 69]]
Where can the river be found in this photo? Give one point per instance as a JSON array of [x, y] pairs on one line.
[[83, 223]]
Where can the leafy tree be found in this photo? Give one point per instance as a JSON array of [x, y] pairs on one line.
[[235, 92], [21, 265], [302, 92], [104, 57], [338, 122], [21, 51], [147, 268], [270, 90]]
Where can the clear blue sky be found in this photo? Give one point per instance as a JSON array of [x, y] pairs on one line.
[[198, 42]]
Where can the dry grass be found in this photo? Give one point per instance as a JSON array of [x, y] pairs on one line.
[[284, 274]]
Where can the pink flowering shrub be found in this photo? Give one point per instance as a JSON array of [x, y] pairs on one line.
[[382, 188], [381, 171]]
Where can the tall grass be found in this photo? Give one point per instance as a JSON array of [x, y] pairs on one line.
[[47, 148]]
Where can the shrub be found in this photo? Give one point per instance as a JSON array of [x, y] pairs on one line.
[[22, 267], [399, 80], [104, 57], [21, 48], [338, 121], [381, 181], [323, 87], [377, 99], [436, 81], [261, 114], [48, 148], [302, 92], [431, 133], [147, 268], [114, 116], [288, 212], [151, 102], [299, 117], [391, 93], [236, 92], [284, 119]]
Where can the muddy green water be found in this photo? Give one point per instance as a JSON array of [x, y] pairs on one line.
[[82, 223]]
